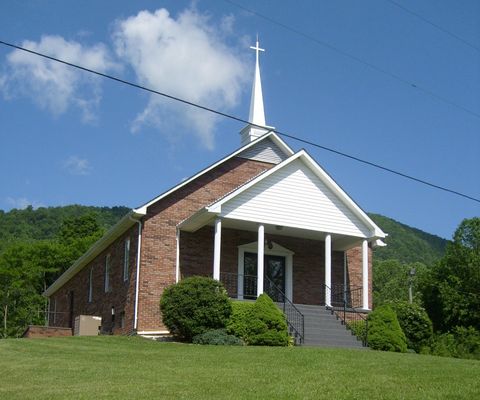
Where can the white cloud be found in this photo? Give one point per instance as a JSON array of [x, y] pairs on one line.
[[21, 203], [54, 86], [77, 166], [186, 57]]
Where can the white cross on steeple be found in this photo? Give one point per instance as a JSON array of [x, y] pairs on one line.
[[256, 48]]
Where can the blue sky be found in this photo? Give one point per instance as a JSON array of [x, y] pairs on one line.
[[70, 138]]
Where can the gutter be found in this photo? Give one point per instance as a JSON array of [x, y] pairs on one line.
[[137, 275]]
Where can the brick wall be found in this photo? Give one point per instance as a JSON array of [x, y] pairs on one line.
[[121, 295], [36, 331], [158, 259]]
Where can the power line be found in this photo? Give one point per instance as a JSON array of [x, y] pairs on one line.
[[211, 110], [358, 59], [455, 36]]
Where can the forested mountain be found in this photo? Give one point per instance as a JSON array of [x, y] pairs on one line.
[[407, 244], [44, 223]]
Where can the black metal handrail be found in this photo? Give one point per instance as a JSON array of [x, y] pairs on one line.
[[345, 302], [295, 319]]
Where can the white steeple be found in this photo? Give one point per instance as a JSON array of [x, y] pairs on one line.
[[257, 112]]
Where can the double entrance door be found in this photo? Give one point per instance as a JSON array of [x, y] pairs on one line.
[[274, 276]]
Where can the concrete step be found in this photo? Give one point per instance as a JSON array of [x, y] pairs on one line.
[[322, 328]]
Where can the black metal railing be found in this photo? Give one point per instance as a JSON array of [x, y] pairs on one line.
[[239, 286], [295, 319], [245, 287], [346, 304]]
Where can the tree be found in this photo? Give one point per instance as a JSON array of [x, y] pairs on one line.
[[391, 281], [28, 268], [452, 293], [22, 280]]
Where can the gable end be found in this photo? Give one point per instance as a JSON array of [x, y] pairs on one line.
[[266, 151]]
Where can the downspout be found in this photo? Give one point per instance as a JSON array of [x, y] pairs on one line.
[[177, 256], [137, 277]]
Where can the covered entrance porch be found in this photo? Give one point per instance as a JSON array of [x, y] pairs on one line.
[[305, 267]]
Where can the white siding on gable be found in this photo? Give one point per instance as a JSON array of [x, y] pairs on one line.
[[294, 196], [266, 151]]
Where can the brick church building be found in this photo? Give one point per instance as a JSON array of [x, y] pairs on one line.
[[262, 217]]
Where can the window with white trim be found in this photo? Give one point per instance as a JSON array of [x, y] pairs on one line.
[[126, 259], [107, 286], [90, 285]]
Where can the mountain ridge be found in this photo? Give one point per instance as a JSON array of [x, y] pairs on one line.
[[404, 243]]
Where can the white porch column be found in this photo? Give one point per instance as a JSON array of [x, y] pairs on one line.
[[260, 254], [365, 274], [216, 249], [328, 270]]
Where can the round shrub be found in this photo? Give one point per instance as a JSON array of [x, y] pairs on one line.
[[193, 306], [415, 324], [239, 319], [260, 323], [384, 332], [217, 337]]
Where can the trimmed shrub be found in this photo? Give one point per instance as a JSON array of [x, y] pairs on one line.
[[358, 328], [259, 324], [217, 337], [193, 306], [415, 324], [239, 319], [384, 332]]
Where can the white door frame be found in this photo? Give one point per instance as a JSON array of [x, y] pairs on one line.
[[276, 250]]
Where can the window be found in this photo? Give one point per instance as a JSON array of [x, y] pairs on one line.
[[122, 319], [90, 285], [126, 259], [107, 274]]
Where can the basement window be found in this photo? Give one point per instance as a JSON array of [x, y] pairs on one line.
[[126, 259]]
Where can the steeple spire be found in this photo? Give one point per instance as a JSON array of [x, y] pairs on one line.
[[257, 112]]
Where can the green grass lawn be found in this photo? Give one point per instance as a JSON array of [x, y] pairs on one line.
[[135, 368]]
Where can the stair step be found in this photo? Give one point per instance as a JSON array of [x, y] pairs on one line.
[[322, 328]]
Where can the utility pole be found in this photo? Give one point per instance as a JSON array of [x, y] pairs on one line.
[[411, 275]]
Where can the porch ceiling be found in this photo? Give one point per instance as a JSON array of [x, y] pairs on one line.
[[197, 221]]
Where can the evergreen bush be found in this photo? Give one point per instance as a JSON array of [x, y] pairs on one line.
[[260, 324], [358, 328], [384, 332], [415, 324], [193, 306], [217, 337], [239, 319]]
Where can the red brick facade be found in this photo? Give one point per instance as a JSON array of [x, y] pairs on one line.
[[120, 297], [158, 257]]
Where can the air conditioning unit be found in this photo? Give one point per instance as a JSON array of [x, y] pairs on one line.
[[87, 325]]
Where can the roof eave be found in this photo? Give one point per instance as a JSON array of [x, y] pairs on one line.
[[100, 245]]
